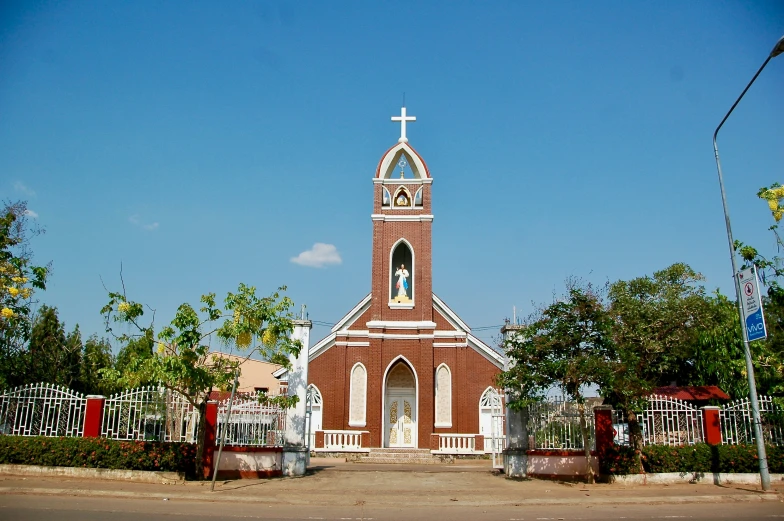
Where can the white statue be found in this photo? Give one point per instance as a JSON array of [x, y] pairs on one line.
[[402, 282]]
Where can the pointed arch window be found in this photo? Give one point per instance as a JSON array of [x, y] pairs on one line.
[[313, 414], [443, 396], [418, 197], [386, 199], [401, 290], [358, 396]]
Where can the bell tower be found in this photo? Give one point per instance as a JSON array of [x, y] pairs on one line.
[[402, 230]]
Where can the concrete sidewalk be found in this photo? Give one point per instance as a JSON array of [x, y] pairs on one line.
[[337, 483]]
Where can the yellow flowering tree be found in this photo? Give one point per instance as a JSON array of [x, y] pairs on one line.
[[768, 355], [18, 281], [183, 361]]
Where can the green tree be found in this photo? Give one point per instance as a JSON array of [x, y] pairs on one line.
[[135, 350], [46, 353], [19, 279], [96, 357], [657, 323], [183, 361], [72, 359], [567, 345]]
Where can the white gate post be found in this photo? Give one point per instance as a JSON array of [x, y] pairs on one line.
[[295, 452], [516, 453]]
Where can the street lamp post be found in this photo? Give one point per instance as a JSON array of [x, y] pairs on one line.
[[763, 459]]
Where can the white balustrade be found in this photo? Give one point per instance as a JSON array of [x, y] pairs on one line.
[[457, 443], [343, 441]]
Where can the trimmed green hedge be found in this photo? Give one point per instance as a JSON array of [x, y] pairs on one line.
[[98, 453], [700, 457]]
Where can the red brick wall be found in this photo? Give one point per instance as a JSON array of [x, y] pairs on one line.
[[471, 375]]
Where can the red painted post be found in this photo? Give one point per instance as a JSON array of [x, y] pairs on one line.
[[711, 424], [210, 435], [319, 440], [93, 416], [604, 429], [479, 442]]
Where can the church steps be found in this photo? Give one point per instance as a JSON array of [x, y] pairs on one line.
[[400, 456]]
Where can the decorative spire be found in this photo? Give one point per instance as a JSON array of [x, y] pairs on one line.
[[403, 119]]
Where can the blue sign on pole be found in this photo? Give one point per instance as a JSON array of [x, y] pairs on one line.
[[752, 304]]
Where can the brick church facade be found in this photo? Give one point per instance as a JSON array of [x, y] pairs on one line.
[[401, 365]]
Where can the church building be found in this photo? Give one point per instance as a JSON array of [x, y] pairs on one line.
[[401, 367]]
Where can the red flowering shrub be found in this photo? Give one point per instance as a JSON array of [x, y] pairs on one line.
[[99, 453]]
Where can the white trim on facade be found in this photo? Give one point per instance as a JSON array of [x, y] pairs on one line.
[[485, 350], [449, 334], [362, 421], [355, 313], [321, 346], [351, 344], [390, 159], [393, 181], [449, 315], [402, 217], [450, 344], [399, 336], [391, 324], [443, 424], [353, 333]]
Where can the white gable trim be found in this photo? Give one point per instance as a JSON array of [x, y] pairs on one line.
[[321, 346], [485, 350], [450, 315], [354, 314]]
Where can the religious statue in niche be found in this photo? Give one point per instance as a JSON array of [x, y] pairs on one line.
[[401, 274], [402, 199], [402, 284]]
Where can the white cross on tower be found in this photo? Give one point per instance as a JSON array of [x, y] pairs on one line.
[[403, 119]]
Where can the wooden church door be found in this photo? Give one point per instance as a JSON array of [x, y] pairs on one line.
[[401, 419]]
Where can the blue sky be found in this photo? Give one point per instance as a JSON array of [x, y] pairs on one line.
[[203, 144]]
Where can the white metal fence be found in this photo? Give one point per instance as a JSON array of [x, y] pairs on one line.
[[555, 424], [150, 413], [669, 421], [251, 423], [42, 410], [737, 425]]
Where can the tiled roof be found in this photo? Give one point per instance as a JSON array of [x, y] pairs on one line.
[[692, 393]]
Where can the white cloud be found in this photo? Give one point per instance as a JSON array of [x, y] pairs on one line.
[[136, 221], [318, 256], [21, 187], [31, 213]]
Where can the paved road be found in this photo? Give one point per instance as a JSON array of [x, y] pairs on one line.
[[66, 508]]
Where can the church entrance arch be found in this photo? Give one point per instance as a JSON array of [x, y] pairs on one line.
[[400, 405]]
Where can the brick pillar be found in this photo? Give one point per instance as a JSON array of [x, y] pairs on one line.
[[434, 441], [319, 440], [93, 416], [479, 442], [210, 436], [604, 429], [711, 424]]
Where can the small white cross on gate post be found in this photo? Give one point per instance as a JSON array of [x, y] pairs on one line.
[[403, 119]]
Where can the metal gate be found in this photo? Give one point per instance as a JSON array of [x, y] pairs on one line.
[[497, 428]]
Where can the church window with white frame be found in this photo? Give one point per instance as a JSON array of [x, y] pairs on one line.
[[358, 396], [443, 396]]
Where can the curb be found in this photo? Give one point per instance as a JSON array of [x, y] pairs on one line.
[[692, 478], [223, 497], [136, 476]]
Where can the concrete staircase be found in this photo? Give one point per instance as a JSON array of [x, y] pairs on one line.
[[400, 456]]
